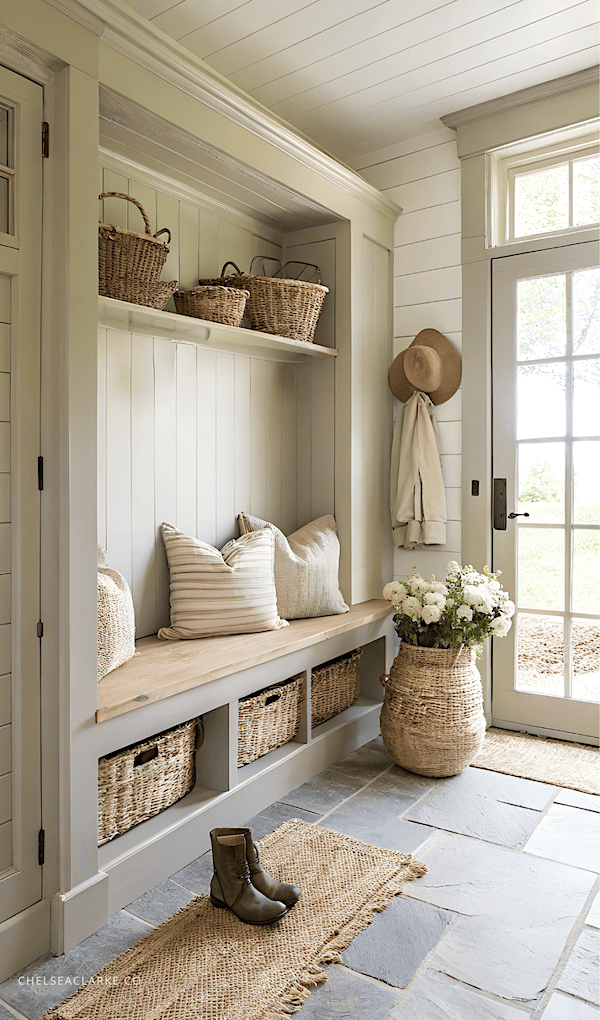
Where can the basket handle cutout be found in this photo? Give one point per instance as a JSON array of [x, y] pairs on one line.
[[145, 756], [272, 698]]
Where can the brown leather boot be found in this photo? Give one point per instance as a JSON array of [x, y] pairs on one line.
[[230, 885], [283, 891]]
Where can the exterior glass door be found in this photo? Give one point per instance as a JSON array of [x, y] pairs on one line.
[[546, 415]]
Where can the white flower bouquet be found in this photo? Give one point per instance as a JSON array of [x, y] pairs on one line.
[[464, 609]]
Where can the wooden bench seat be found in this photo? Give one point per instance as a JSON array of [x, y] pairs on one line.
[[163, 668]]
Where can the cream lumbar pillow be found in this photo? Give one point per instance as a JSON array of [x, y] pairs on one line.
[[306, 567], [116, 618], [215, 593]]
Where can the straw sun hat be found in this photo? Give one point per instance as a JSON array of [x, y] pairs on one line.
[[430, 364]]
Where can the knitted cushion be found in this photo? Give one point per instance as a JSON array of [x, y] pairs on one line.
[[212, 592], [116, 618], [306, 567]]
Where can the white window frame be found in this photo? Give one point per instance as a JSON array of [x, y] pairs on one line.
[[506, 164]]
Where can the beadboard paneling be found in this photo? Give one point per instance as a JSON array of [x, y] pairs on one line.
[[193, 437]]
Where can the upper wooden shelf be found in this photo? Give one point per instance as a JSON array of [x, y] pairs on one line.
[[212, 335], [163, 668]]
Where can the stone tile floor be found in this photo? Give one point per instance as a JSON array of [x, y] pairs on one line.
[[505, 925]]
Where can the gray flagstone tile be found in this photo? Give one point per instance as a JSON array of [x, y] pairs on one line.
[[518, 912], [325, 791], [368, 761], [587, 801], [6, 1015], [570, 835], [435, 996], [395, 834], [594, 913], [348, 997], [196, 876], [488, 805], [274, 815], [564, 1007], [53, 979], [394, 946], [581, 976], [160, 902]]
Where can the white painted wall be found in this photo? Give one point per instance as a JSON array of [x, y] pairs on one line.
[[423, 176]]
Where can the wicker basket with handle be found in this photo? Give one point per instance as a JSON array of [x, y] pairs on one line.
[[214, 304], [278, 305], [130, 264], [268, 719], [139, 781], [334, 686]]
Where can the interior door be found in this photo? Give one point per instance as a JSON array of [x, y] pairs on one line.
[[546, 538], [20, 263]]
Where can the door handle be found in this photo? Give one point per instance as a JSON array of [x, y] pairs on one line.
[[512, 516], [500, 504]]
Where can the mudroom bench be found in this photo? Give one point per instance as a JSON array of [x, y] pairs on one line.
[[168, 682]]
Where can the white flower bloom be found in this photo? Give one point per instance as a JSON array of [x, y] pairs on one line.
[[432, 598], [389, 591], [494, 585], [418, 584], [439, 587], [500, 626], [453, 567], [508, 608], [412, 607], [431, 614], [450, 603], [464, 613]]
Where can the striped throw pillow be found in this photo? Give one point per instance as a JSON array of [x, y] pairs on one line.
[[215, 593]]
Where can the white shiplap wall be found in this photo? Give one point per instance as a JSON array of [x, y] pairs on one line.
[[423, 177], [194, 436]]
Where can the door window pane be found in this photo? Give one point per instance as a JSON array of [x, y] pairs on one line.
[[586, 483], [540, 654], [586, 191], [585, 655], [541, 561], [586, 312], [540, 401], [542, 201], [5, 197], [541, 318], [586, 397], [542, 481], [5, 125], [586, 571]]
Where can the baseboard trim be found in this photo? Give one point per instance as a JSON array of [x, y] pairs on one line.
[[24, 938], [79, 913]]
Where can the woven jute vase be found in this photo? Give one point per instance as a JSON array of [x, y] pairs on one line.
[[432, 720]]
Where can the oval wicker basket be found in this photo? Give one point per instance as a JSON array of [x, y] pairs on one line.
[[432, 720], [130, 264], [214, 304], [276, 305], [334, 686], [268, 719]]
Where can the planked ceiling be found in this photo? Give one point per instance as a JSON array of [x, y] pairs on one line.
[[358, 75]]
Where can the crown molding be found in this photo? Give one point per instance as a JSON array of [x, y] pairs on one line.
[[134, 37], [535, 94]]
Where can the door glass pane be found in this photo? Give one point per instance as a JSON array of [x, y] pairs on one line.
[[540, 654], [542, 201], [5, 196], [586, 397], [542, 481], [586, 571], [541, 318], [540, 401], [586, 484], [586, 312], [541, 568], [5, 125], [586, 191], [585, 653]]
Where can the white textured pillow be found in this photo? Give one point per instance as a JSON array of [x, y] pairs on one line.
[[214, 594], [306, 567], [116, 618]]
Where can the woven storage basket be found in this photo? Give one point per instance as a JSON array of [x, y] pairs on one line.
[[287, 308], [268, 719], [215, 304], [139, 781], [130, 264], [432, 720], [335, 686]]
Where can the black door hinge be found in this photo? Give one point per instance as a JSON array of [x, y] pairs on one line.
[[40, 629], [40, 473], [45, 139], [41, 844]]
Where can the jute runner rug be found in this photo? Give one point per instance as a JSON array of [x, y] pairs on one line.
[[574, 766], [204, 964]]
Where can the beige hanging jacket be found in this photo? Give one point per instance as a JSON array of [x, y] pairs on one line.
[[417, 496]]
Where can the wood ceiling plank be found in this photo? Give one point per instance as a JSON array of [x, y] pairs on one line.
[[189, 15], [150, 8], [245, 21]]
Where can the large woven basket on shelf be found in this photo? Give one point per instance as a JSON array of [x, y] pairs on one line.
[[432, 720], [139, 781], [334, 686], [130, 264], [214, 304], [268, 719], [277, 305]]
